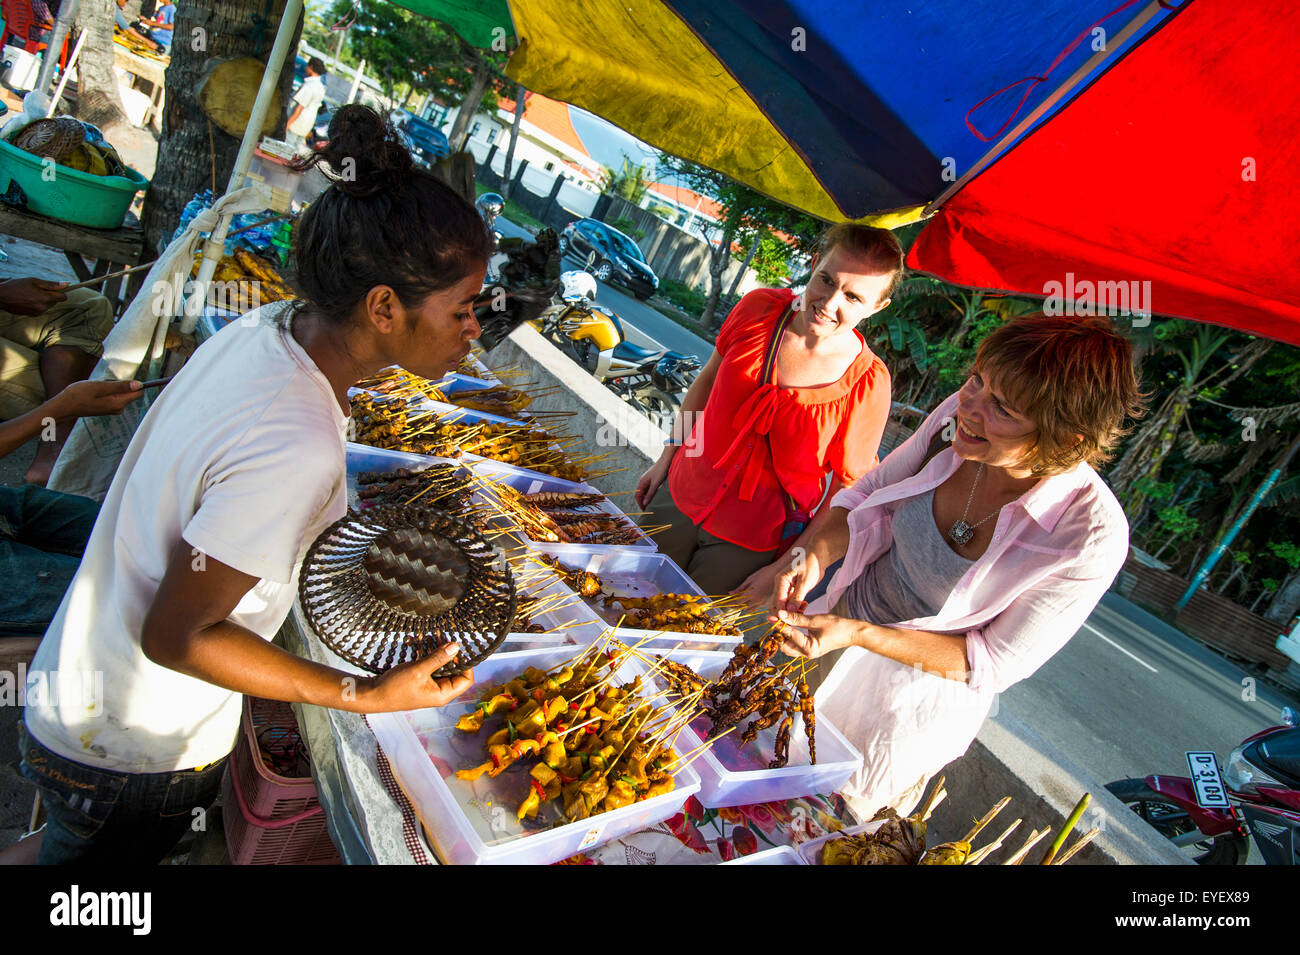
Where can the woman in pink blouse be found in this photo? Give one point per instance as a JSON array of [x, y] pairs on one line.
[[966, 565]]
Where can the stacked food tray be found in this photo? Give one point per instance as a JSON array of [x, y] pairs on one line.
[[472, 822]]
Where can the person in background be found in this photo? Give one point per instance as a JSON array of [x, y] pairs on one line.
[[119, 17], [791, 397], [43, 533], [162, 27], [306, 103], [48, 339]]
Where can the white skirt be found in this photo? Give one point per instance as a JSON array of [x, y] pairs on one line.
[[907, 723]]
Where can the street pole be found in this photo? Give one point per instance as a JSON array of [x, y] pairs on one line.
[[62, 24], [1221, 548], [338, 47]]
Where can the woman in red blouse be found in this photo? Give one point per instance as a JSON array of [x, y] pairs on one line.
[[760, 446]]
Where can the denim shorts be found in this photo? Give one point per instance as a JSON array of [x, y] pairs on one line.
[[99, 816]]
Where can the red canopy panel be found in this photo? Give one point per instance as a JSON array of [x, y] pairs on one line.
[[1179, 167]]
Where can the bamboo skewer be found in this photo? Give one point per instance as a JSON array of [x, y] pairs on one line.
[[981, 854], [1079, 843], [1033, 839], [104, 278], [988, 817]]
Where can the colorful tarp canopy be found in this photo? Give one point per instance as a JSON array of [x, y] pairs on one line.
[[1128, 142], [1177, 168]]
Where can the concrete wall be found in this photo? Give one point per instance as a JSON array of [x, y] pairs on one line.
[[1008, 758], [605, 423]]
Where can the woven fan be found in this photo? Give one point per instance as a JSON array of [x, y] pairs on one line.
[[391, 584], [51, 138]]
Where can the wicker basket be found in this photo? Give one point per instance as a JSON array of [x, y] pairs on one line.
[[271, 819]]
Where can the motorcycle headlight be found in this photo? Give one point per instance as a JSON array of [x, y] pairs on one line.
[[1244, 776], [1238, 774]]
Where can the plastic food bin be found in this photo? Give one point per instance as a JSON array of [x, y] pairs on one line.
[[571, 618], [627, 571], [98, 202], [735, 775], [532, 482], [473, 823], [781, 855], [810, 852]]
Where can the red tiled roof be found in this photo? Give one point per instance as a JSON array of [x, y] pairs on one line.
[[550, 116], [690, 199]]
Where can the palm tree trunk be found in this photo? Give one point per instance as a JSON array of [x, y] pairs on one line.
[[1147, 453], [193, 153], [98, 100]]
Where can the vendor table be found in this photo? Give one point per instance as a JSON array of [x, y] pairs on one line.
[[151, 71], [111, 250], [371, 822]]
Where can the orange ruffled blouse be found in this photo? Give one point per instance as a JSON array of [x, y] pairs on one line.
[[725, 478]]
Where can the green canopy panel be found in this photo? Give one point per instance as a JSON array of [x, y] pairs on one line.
[[482, 23]]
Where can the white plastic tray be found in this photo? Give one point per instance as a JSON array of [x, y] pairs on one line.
[[627, 571], [362, 457], [781, 855], [661, 641], [573, 620], [531, 482], [810, 852], [735, 775], [474, 822]]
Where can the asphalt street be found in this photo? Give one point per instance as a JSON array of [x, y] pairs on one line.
[[642, 325]]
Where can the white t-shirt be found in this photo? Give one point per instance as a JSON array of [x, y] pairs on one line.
[[310, 95], [242, 455]]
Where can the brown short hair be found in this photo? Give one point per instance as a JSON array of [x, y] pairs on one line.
[[1072, 376], [879, 247]]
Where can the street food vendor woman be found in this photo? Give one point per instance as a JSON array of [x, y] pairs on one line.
[[970, 555], [238, 466]]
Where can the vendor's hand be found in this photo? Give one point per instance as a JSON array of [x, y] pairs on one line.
[[825, 632], [648, 486], [84, 399], [30, 296], [412, 686], [800, 574]]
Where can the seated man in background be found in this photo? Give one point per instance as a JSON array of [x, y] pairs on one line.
[[48, 340], [43, 533]]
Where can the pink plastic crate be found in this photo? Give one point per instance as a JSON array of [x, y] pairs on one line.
[[271, 819]]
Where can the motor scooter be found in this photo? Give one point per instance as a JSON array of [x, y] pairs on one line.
[[1215, 814]]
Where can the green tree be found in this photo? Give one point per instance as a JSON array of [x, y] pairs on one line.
[[408, 50], [631, 181], [744, 210]]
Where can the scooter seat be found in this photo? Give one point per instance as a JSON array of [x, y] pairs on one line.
[[635, 353]]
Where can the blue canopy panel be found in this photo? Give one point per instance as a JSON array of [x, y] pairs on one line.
[[852, 96]]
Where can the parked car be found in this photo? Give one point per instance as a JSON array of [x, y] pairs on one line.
[[617, 258], [427, 141]]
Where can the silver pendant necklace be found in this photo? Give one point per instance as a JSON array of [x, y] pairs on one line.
[[961, 533]]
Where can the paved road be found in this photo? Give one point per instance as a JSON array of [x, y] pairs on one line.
[[1129, 695], [642, 324]]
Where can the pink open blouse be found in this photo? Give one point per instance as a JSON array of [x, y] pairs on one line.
[[1054, 552]]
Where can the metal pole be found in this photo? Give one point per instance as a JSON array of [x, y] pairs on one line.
[[62, 24], [1221, 548], [214, 248]]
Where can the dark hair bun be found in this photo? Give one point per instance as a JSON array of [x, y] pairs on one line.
[[365, 153]]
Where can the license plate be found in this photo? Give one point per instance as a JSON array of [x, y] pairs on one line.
[[1210, 791]]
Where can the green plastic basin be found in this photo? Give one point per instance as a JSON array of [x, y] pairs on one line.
[[99, 202]]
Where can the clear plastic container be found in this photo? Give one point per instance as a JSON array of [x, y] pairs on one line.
[[568, 615], [781, 855], [732, 774], [626, 571], [473, 823], [661, 641], [810, 852], [532, 482], [362, 457]]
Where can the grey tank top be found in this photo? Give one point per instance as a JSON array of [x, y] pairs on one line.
[[915, 576]]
